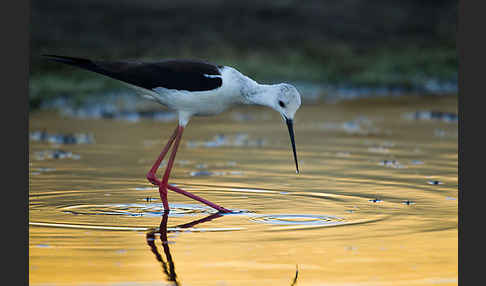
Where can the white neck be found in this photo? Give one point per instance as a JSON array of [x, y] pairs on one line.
[[254, 93]]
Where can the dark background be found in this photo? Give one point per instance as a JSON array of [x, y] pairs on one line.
[[352, 42]]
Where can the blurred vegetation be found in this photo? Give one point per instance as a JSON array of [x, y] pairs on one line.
[[356, 42]]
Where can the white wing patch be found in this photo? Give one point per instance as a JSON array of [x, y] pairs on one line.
[[212, 75]]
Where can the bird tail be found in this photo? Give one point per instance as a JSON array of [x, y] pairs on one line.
[[77, 62]]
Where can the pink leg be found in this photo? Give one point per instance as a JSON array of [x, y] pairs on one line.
[[194, 197], [164, 183], [165, 179], [151, 174]]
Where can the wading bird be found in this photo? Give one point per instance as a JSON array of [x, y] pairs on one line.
[[193, 88]]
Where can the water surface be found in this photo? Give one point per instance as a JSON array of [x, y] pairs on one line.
[[375, 202]]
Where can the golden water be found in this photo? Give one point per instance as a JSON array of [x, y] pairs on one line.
[[94, 220]]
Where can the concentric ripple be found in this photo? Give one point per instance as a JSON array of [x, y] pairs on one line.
[[298, 219], [149, 210], [67, 211]]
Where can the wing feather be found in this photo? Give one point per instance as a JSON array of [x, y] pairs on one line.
[[190, 75]]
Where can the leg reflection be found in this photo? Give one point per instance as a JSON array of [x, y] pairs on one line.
[[169, 267]]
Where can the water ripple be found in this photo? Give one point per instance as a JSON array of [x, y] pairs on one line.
[[298, 219], [151, 210]]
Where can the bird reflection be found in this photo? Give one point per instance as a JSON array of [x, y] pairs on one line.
[[168, 265]]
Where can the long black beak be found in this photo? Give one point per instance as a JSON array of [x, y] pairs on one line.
[[290, 125]]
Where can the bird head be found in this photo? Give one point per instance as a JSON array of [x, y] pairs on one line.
[[283, 98], [286, 101]]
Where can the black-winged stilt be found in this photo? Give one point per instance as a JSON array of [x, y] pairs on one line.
[[193, 87]]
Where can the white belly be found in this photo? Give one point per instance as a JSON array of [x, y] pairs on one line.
[[197, 103]]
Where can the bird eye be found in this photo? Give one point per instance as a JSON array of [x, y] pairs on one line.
[[281, 103]]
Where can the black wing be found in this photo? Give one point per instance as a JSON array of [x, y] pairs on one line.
[[188, 75]]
